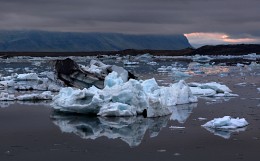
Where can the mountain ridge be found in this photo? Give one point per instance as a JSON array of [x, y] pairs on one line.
[[44, 41]]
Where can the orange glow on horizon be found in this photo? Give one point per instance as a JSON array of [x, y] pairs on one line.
[[215, 38]]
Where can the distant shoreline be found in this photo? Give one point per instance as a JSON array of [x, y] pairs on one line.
[[238, 49]]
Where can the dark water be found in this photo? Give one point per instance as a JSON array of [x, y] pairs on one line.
[[33, 131]]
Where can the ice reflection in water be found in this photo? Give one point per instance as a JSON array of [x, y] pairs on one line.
[[5, 104], [129, 129], [225, 133], [182, 112]]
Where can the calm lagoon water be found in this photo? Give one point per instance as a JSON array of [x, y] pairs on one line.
[[33, 131]]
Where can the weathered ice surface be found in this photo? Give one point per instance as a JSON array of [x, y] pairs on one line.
[[124, 99], [79, 76]]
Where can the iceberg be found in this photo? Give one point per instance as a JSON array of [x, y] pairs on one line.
[[124, 99]]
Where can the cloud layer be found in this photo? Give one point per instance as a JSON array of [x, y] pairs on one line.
[[238, 19]]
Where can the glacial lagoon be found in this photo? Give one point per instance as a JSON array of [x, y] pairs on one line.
[[32, 130]]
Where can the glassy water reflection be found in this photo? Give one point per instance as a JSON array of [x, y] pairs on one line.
[[131, 130]]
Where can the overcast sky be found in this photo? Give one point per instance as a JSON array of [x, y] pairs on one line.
[[203, 21]]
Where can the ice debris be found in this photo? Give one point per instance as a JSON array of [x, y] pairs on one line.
[[6, 97], [124, 99], [47, 95], [31, 81]]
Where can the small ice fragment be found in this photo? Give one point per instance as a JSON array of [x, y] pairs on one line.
[[241, 84], [258, 89], [127, 62], [202, 118], [226, 94], [161, 150], [177, 127], [27, 76], [203, 92]]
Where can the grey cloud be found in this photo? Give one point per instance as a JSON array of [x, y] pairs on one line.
[[234, 17]]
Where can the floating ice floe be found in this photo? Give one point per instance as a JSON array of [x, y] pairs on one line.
[[27, 77], [252, 56], [225, 126], [211, 89], [258, 89], [226, 122], [152, 63], [144, 58], [177, 127], [30, 81], [47, 95], [124, 99], [243, 84], [127, 62], [128, 129], [178, 75], [164, 69], [201, 59], [6, 97]]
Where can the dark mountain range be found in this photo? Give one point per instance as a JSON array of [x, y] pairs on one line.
[[236, 49], [41, 41]]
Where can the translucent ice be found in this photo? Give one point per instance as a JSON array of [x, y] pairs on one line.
[[124, 99]]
